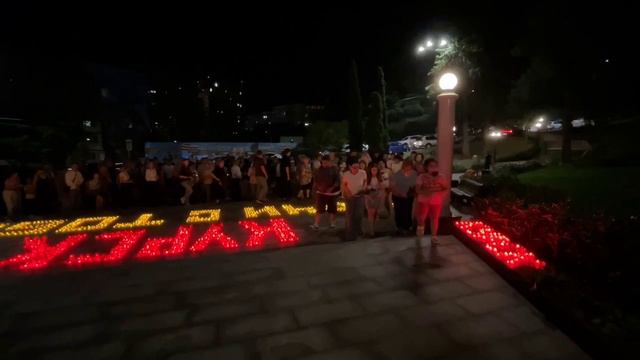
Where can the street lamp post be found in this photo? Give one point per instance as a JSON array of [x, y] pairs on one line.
[[446, 120]]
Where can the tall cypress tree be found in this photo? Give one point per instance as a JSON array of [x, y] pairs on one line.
[[382, 89], [355, 110], [374, 129]]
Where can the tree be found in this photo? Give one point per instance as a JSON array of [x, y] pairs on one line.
[[322, 135], [382, 88], [374, 129], [559, 78], [355, 109]]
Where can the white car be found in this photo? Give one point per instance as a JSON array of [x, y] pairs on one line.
[[429, 141], [555, 125], [345, 148], [413, 141]]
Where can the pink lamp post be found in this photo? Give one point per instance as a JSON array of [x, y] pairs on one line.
[[446, 121]]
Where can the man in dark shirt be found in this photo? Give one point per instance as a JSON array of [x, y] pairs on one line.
[[260, 173], [326, 183]]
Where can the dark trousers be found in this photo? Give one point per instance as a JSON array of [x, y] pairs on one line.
[[402, 208], [353, 217]]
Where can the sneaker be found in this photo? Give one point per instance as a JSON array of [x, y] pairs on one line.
[[315, 227]]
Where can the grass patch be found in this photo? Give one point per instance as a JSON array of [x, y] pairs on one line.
[[607, 190]]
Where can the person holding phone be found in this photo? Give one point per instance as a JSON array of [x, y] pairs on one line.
[[431, 189], [354, 183]]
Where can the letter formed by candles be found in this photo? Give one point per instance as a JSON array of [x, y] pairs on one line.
[[279, 227], [29, 228], [292, 210], [144, 220], [214, 234], [203, 216], [38, 254], [251, 213], [126, 240], [168, 246], [88, 224]]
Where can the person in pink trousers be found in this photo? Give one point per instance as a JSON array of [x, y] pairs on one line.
[[431, 189]]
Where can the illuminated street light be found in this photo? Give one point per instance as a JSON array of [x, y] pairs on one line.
[[443, 42], [448, 81], [421, 49], [429, 43]]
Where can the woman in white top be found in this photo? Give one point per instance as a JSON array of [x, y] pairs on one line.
[[151, 183], [236, 179], [374, 196]]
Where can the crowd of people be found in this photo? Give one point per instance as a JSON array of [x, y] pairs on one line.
[[370, 184]]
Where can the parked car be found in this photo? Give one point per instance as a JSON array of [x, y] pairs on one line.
[[429, 141], [413, 141], [345, 148], [555, 125], [397, 147]]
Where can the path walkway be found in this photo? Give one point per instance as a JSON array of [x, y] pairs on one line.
[[371, 299]]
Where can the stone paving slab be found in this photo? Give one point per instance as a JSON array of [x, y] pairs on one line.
[[370, 299]]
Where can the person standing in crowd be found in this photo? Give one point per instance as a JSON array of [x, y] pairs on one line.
[[29, 205], [286, 174], [363, 165], [236, 179], [74, 180], [93, 192], [125, 185], [185, 177], [431, 189], [221, 181], [46, 194], [317, 162], [402, 190], [11, 194], [385, 173], [396, 164], [354, 183], [205, 176], [305, 176], [418, 163], [105, 196], [260, 173], [151, 183], [326, 183], [374, 196]]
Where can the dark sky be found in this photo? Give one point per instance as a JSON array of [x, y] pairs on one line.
[[286, 52]]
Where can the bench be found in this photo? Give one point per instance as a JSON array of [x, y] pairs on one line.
[[466, 190]]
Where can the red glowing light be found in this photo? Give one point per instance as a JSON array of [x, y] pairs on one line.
[[128, 240], [168, 246], [500, 246], [507, 131], [38, 254], [214, 234], [257, 233]]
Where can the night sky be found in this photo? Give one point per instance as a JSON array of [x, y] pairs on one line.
[[286, 53]]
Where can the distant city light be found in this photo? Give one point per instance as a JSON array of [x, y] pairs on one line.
[[454, 128], [606, 60], [429, 43], [240, 93], [210, 89], [306, 124], [215, 84], [265, 116], [175, 141], [88, 139], [152, 91], [421, 49], [540, 119], [443, 42]]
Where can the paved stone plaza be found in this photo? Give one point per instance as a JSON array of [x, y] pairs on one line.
[[370, 299]]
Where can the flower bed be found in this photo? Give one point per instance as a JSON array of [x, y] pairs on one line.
[[589, 285]]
